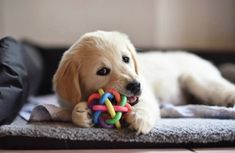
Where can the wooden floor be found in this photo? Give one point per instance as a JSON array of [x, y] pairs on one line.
[[193, 150]]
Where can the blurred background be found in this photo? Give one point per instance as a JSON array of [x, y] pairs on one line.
[[206, 25]]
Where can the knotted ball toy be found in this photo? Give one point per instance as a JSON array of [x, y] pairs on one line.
[[108, 108]]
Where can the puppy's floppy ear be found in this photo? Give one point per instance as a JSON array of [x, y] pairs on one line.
[[66, 80]]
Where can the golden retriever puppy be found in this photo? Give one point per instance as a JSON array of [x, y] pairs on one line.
[[109, 60]]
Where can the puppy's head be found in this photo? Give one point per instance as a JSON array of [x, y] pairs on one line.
[[98, 60]]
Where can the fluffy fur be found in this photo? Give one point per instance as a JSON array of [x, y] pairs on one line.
[[164, 77]]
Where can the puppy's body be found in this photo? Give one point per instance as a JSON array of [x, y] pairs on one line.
[[164, 72], [174, 74], [108, 59]]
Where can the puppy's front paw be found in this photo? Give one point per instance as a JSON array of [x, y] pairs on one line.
[[81, 115], [140, 121]]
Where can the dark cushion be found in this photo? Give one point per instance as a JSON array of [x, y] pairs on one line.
[[20, 73]]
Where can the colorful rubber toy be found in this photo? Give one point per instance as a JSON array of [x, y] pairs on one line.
[[108, 108]]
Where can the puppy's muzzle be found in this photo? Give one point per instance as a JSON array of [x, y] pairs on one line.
[[134, 87]]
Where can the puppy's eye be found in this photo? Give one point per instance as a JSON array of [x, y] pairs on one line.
[[125, 59], [103, 71]]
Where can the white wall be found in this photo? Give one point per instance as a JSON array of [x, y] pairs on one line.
[[195, 24], [55, 22], [1, 18], [205, 24]]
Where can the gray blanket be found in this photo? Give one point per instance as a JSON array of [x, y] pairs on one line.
[[168, 132]]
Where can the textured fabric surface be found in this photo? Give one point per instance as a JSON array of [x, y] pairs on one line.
[[167, 131], [183, 132]]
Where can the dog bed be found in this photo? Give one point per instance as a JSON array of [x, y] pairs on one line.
[[20, 134], [50, 127], [167, 133]]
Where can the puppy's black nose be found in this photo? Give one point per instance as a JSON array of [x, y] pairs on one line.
[[134, 87]]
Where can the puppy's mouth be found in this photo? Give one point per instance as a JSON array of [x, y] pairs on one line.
[[132, 100]]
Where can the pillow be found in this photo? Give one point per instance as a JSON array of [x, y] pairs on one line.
[[20, 73]]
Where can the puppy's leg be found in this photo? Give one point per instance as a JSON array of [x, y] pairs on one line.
[[81, 115], [145, 113], [210, 88]]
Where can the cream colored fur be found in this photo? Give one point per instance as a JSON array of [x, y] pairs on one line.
[[163, 78]]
